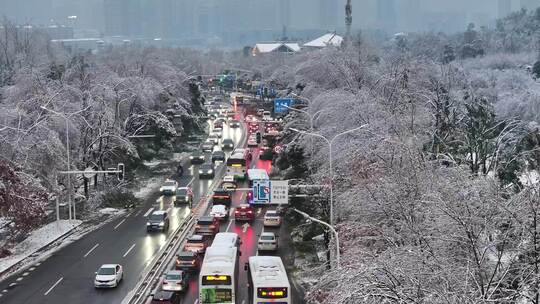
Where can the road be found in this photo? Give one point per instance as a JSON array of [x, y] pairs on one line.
[[68, 275]]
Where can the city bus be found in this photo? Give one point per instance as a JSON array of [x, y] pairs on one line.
[[218, 277], [256, 174], [267, 280], [237, 164]]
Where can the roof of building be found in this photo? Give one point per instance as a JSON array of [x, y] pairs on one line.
[[326, 40], [270, 47]]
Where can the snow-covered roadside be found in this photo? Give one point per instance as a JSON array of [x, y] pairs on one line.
[[150, 185], [37, 239]]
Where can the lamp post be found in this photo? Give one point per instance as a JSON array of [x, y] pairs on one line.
[[330, 142], [308, 217], [63, 115]]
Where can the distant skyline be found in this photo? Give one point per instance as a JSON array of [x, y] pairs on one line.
[[238, 20]]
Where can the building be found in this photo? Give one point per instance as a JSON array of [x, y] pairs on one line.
[[274, 47], [504, 7], [330, 39], [386, 15], [328, 12]]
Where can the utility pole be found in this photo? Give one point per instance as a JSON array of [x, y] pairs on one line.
[[348, 21]]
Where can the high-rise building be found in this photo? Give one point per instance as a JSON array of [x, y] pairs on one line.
[[529, 4], [504, 8], [328, 12], [386, 15]]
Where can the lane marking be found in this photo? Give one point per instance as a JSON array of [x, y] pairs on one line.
[[32, 268], [25, 274], [148, 212], [122, 221], [229, 225], [19, 279], [190, 182], [137, 214], [52, 287], [129, 250], [12, 285], [5, 291], [37, 264], [91, 249]]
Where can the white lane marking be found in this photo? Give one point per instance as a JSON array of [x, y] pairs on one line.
[[25, 274], [19, 279], [12, 285], [129, 250], [229, 225], [32, 269], [137, 214], [190, 182], [37, 264], [90, 251], [196, 301], [52, 287], [5, 291], [244, 301], [121, 222], [148, 212]]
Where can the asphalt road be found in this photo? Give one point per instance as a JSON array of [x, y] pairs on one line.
[[68, 275]]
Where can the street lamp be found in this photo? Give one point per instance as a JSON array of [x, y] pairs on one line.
[[308, 217], [63, 115], [330, 143]]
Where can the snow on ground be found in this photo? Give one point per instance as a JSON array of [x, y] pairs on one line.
[[149, 186], [530, 178], [152, 163], [180, 156], [37, 239], [111, 211]]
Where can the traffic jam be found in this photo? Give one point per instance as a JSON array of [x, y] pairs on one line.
[[235, 242]]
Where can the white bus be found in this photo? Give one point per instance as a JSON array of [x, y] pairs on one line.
[[256, 174], [226, 239], [267, 281], [218, 276], [237, 164]]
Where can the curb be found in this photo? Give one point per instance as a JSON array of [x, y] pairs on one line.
[[6, 272]]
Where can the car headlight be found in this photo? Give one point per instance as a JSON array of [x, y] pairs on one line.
[[187, 198], [191, 157], [161, 224], [148, 224], [210, 171]]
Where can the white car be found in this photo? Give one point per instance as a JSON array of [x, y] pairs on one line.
[[267, 116], [267, 242], [272, 218], [220, 212], [108, 276], [169, 187]]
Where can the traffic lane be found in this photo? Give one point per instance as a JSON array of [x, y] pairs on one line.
[[115, 236]]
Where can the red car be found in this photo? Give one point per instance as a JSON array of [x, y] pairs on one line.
[[188, 261], [207, 226], [244, 212]]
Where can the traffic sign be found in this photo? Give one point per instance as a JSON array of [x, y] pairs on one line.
[[281, 104], [280, 192], [261, 192]]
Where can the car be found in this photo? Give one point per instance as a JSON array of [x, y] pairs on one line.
[[184, 195], [244, 212], [252, 141], [207, 147], [260, 112], [188, 261], [272, 218], [221, 197], [213, 114], [221, 212], [218, 156], [213, 139], [218, 127], [197, 157], [271, 132], [206, 171], [230, 113], [196, 243], [227, 144], [158, 220], [174, 280], [169, 187], [218, 133], [250, 118], [267, 116], [166, 297], [228, 183], [207, 226], [267, 242], [108, 276], [234, 123]]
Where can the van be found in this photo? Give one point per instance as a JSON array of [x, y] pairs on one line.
[[226, 239]]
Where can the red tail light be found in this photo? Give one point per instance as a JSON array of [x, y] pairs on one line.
[[249, 211], [197, 226], [211, 226], [236, 212]]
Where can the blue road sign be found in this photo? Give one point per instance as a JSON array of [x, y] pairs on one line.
[[261, 192], [280, 104]]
